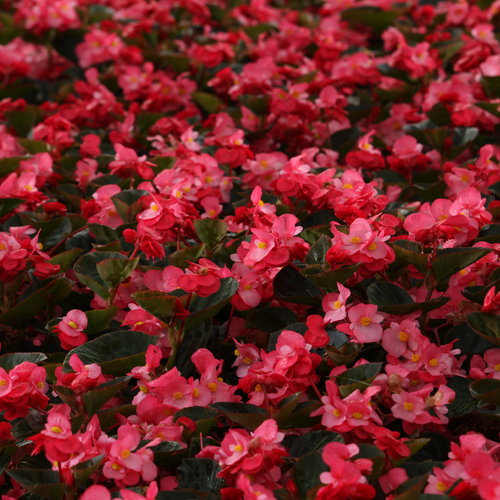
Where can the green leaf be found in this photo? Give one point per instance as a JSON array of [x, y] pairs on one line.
[[26, 309], [200, 474], [317, 253], [463, 403], [66, 259], [451, 260], [103, 234], [114, 271], [487, 389], [33, 146], [257, 104], [9, 361], [169, 454], [491, 107], [204, 418], [203, 308], [182, 258], [374, 454], [54, 231], [9, 165], [291, 286], [486, 325], [382, 293], [312, 441], [8, 204], [160, 304], [116, 352], [193, 339], [359, 377], [208, 102], [128, 204], [328, 280], [491, 85], [373, 17], [87, 272], [246, 415], [83, 470], [99, 320], [95, 399], [466, 339], [270, 319], [22, 121], [307, 471], [410, 252], [210, 231]]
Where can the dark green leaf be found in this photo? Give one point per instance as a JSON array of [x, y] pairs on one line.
[[317, 254], [22, 121], [466, 339], [9, 165], [491, 85], [291, 286], [66, 259], [87, 273], [487, 389], [312, 441], [486, 325], [204, 308], [204, 418], [9, 361], [200, 474], [182, 258], [116, 270], [328, 280], [116, 352], [99, 320], [26, 308], [374, 454], [451, 260], [160, 304], [410, 252], [383, 293], [208, 102], [307, 471], [128, 204], [95, 399], [373, 17], [463, 403], [33, 146], [358, 377], [8, 204], [210, 231], [243, 414], [84, 470]]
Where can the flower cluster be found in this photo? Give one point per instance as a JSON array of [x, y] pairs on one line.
[[249, 249]]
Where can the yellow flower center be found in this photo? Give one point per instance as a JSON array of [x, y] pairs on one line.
[[415, 357], [73, 325], [372, 246], [348, 186], [212, 386], [3, 382], [433, 362], [116, 466], [258, 388], [403, 336], [125, 454], [497, 367], [56, 429], [365, 321], [357, 415], [178, 395], [408, 406], [336, 413], [356, 240], [337, 304], [441, 486], [238, 448]]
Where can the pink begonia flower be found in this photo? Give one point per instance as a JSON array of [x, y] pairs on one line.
[[365, 323], [334, 304], [96, 492]]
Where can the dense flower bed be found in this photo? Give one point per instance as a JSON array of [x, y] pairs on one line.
[[249, 249]]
